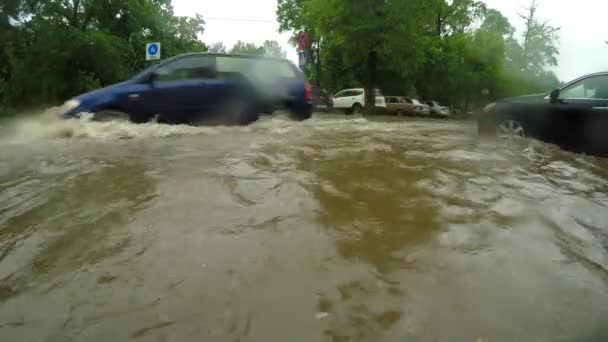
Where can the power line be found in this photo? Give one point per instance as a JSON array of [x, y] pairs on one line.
[[242, 19]]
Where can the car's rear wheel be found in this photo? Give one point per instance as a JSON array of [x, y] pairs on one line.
[[510, 129], [300, 115], [357, 109], [241, 112]]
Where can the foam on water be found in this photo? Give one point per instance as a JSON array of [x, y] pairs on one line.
[[48, 125]]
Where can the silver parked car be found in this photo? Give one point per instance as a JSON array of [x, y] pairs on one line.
[[438, 110], [423, 108]]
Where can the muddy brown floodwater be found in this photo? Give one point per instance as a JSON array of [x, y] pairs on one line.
[[335, 229]]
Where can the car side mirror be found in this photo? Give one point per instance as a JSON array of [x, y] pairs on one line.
[[554, 97]]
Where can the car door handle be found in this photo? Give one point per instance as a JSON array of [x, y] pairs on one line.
[[600, 108], [133, 96]]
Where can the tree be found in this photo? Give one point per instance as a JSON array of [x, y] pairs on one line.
[[52, 50], [246, 48], [269, 48], [448, 50], [218, 47], [273, 49], [539, 48]]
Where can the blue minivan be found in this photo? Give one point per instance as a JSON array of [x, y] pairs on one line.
[[197, 88]]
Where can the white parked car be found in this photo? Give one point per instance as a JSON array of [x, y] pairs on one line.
[[353, 100]]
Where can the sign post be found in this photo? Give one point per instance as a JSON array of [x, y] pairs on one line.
[[152, 51], [302, 60], [303, 41], [302, 46]]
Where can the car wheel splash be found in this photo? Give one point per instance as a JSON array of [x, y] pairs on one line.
[[510, 130]]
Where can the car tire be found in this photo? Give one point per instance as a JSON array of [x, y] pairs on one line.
[[510, 129], [112, 115], [241, 112], [400, 113], [300, 116], [356, 109]]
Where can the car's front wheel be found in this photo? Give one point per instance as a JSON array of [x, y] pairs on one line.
[[510, 129], [112, 115]]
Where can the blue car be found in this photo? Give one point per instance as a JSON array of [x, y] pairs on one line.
[[197, 88]]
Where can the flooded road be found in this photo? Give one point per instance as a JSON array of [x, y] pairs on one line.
[[335, 229]]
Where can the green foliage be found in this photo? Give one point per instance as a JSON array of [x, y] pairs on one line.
[[247, 48], [269, 48], [273, 49], [218, 47], [436, 49], [57, 49]]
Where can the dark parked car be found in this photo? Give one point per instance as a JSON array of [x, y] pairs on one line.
[[574, 116], [321, 99], [200, 87]]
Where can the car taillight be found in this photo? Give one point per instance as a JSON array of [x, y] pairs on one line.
[[307, 92], [331, 99]]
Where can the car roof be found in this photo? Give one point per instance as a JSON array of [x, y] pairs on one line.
[[217, 54], [209, 54], [602, 73]]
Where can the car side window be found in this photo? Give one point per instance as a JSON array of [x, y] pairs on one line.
[[594, 87], [409, 101], [340, 94], [402, 100], [187, 68], [356, 92]]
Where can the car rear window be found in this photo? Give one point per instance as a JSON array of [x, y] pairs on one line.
[[255, 67], [232, 64], [356, 92]]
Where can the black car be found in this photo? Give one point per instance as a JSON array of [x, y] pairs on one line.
[[321, 99], [574, 116]]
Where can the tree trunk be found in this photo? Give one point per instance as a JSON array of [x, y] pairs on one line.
[[370, 86]]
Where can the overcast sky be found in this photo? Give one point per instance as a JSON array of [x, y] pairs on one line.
[[583, 36]]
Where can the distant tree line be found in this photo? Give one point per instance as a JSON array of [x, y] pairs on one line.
[[268, 48], [457, 51]]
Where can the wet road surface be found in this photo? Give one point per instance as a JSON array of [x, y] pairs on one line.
[[335, 229]]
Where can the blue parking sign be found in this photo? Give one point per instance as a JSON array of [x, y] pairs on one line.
[[152, 51]]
